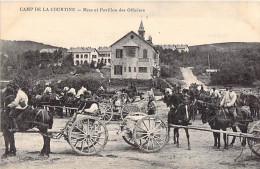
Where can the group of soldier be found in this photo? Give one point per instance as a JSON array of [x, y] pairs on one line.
[[173, 98], [176, 96]]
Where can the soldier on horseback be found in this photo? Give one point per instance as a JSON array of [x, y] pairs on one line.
[[18, 106], [228, 102], [47, 92]]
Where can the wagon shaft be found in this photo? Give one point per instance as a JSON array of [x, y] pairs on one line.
[[237, 134]]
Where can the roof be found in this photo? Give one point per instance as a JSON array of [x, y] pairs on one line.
[[81, 50], [141, 27], [138, 37], [131, 44], [104, 49], [48, 50]]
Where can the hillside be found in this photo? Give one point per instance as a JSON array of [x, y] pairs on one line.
[[225, 47], [237, 62], [14, 48]]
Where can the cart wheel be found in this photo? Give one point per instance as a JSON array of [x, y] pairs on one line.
[[128, 138], [151, 134], [254, 143], [106, 112], [124, 112], [88, 136], [127, 109]]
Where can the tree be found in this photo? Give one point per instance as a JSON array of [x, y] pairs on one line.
[[92, 64]]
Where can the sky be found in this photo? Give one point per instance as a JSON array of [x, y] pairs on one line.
[[191, 23]]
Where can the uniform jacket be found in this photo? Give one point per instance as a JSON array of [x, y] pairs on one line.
[[21, 100]]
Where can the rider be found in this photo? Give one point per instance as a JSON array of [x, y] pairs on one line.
[[72, 92], [81, 92], [47, 90], [19, 104], [215, 95], [229, 101], [90, 105]]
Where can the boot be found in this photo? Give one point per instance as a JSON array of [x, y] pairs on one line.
[[14, 125]]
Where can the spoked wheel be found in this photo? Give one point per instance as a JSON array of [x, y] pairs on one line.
[[106, 112], [124, 112], [127, 109], [151, 134], [254, 143], [128, 138], [88, 136]]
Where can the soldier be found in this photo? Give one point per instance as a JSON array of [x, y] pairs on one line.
[[19, 104], [228, 102], [151, 105]]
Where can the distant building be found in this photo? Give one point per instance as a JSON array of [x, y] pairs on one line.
[[49, 50], [105, 54], [182, 48], [179, 48], [132, 57], [83, 55], [173, 47]]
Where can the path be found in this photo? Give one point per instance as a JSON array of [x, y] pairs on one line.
[[190, 78]]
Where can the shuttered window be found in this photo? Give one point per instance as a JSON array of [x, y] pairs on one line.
[[145, 53], [119, 53], [142, 69], [118, 70]]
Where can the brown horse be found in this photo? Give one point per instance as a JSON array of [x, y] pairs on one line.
[[28, 119], [219, 119], [177, 115]]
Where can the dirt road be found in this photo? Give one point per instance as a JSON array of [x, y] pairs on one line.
[[189, 77], [118, 154]]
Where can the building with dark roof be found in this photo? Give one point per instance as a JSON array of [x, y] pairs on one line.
[[132, 57]]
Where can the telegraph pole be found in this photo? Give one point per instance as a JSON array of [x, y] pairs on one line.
[[209, 65]]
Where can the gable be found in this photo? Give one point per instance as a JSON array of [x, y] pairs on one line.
[[135, 36]]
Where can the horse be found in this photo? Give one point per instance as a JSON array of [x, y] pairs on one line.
[[219, 119], [253, 103], [30, 118], [178, 115]]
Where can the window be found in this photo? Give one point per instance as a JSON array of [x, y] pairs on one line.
[[98, 60], [124, 69], [81, 56], [130, 51], [94, 56], [119, 53], [145, 53], [77, 56], [134, 69], [108, 55], [77, 62], [108, 60], [118, 70], [142, 69], [129, 69], [86, 55], [81, 62]]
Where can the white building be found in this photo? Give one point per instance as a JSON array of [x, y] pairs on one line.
[[105, 54], [182, 48], [83, 55]]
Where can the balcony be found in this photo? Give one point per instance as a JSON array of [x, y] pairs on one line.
[[143, 59]]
